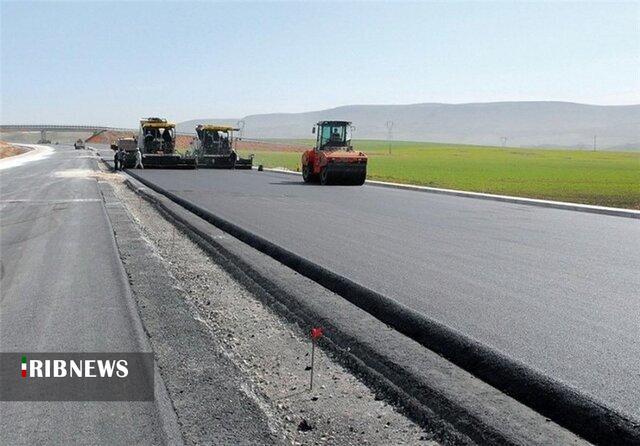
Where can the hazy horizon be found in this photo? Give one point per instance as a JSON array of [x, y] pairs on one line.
[[521, 124], [134, 124]]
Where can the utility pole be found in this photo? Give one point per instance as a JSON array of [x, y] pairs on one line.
[[594, 142], [389, 134], [241, 125]]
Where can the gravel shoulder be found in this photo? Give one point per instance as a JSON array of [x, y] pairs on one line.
[[268, 356]]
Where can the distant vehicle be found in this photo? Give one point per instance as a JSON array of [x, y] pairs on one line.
[[215, 147], [157, 142], [333, 160], [79, 144]]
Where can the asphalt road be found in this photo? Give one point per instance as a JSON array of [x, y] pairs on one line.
[[63, 289], [554, 289]]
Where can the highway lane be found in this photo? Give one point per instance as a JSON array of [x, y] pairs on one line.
[[554, 289], [62, 289]]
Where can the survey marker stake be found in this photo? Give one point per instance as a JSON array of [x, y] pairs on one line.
[[316, 333]]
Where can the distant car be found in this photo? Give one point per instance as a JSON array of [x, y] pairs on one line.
[[79, 144]]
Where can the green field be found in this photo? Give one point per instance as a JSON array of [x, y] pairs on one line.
[[601, 178]]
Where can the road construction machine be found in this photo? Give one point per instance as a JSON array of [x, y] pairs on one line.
[[215, 148], [157, 142], [130, 147], [333, 160]]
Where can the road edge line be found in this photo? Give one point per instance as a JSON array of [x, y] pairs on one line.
[[564, 205]]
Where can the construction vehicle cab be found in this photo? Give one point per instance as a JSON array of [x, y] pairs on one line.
[[215, 148], [333, 160], [157, 142]]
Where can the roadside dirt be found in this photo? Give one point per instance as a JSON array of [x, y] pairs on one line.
[[7, 150], [273, 354], [183, 141], [264, 146], [107, 137], [88, 173]]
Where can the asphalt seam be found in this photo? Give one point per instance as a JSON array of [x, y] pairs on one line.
[[294, 310], [603, 210]]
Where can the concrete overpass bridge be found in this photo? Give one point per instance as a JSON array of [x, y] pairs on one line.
[[44, 128]]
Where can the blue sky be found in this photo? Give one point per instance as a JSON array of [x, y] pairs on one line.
[[113, 62]]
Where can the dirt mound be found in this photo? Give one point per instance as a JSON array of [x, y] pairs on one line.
[[109, 136], [7, 150], [183, 141], [263, 146]]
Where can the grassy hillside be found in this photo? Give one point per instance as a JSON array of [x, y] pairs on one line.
[[601, 178]]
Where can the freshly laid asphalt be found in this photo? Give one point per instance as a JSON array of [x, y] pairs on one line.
[[556, 290], [63, 289]]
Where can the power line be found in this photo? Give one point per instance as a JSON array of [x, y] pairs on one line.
[[241, 125], [389, 125]]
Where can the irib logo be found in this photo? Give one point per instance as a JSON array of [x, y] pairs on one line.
[[86, 368]]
